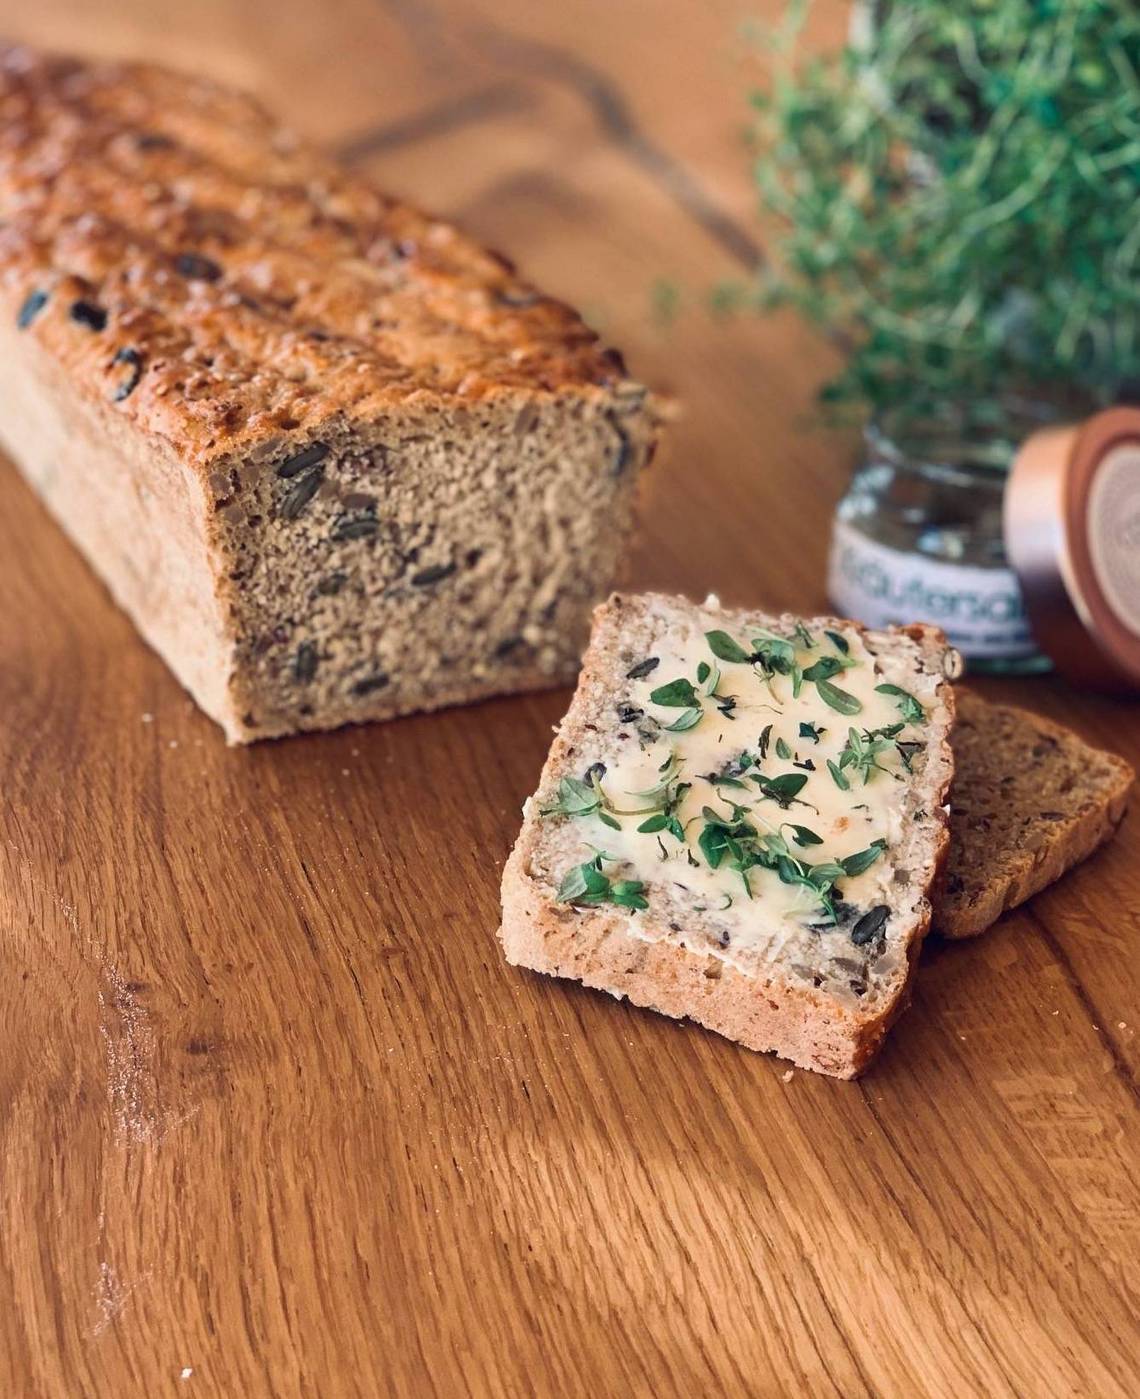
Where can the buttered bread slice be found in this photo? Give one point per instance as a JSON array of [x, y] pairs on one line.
[[740, 821]]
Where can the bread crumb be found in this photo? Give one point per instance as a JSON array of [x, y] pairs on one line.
[[187, 1371], [788, 1076], [173, 743], [344, 772], [148, 718]]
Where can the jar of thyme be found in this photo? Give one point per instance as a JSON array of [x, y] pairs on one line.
[[918, 538]]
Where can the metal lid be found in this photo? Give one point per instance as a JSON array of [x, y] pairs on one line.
[[1072, 533]]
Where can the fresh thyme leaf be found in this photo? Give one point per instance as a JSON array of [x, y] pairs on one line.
[[840, 781], [838, 699], [826, 667], [587, 884], [802, 637], [862, 752], [643, 668], [677, 694], [839, 641], [811, 731], [782, 789], [782, 749], [911, 710], [607, 820], [654, 823], [684, 722], [629, 893], [807, 764], [863, 859], [797, 680], [775, 653], [803, 836], [594, 771], [703, 672], [765, 736], [574, 798], [726, 704], [725, 649]]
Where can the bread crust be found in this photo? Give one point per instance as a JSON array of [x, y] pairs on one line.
[[191, 301], [215, 280], [604, 949], [971, 910]]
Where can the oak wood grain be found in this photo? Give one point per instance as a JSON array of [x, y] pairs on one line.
[[278, 1119]]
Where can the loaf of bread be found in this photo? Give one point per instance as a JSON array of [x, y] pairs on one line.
[[335, 460], [740, 821], [1030, 800]]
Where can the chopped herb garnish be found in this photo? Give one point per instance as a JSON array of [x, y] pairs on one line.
[[803, 836], [782, 749], [725, 649], [688, 720], [840, 781], [863, 859], [574, 798], [838, 699], [911, 710], [677, 694], [811, 731], [863, 750], [838, 640], [826, 667], [587, 884], [764, 739], [782, 789], [802, 637]]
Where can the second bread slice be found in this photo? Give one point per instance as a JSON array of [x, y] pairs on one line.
[[1030, 800]]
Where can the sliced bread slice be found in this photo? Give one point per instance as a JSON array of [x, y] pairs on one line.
[[1030, 800], [740, 821]]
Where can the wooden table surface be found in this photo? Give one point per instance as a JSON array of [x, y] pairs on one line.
[[277, 1117]]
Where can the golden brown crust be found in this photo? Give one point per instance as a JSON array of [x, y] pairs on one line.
[[215, 280]]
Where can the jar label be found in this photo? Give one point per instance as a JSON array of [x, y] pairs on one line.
[[980, 609], [1114, 532]]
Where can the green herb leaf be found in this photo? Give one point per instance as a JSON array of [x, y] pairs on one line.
[[725, 649], [840, 781], [575, 798], [654, 823], [689, 720], [782, 749], [782, 789], [765, 736], [802, 836], [911, 710], [838, 640], [811, 731], [863, 859], [838, 699], [678, 694], [826, 667], [629, 893]]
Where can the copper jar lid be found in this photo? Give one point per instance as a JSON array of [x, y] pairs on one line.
[[1072, 533]]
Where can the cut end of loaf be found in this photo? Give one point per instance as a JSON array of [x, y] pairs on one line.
[[423, 560]]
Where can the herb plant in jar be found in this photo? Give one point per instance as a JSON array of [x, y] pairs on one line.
[[960, 189]]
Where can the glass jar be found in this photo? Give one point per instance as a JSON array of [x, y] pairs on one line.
[[918, 538]]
